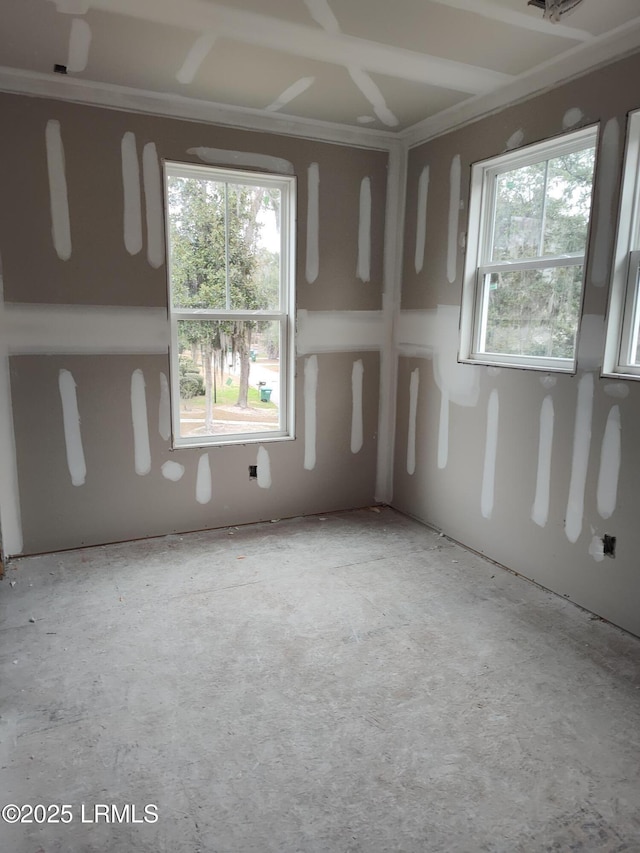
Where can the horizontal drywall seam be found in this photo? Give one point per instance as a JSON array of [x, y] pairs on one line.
[[612, 47], [162, 105]]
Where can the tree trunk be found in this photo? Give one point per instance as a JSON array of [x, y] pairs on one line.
[[207, 354], [243, 347]]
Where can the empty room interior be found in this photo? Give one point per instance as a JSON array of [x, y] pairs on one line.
[[319, 349]]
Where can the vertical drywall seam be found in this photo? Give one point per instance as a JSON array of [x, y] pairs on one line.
[[443, 431], [313, 223], [490, 455], [152, 180], [11, 542], [421, 219], [391, 293], [357, 429], [580, 459], [414, 388], [58, 194], [455, 177], [164, 409], [264, 468], [363, 268], [310, 412], [610, 458], [540, 510], [142, 450], [71, 422], [203, 480], [132, 203], [79, 44]]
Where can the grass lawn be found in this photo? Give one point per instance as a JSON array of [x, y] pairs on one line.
[[227, 395]]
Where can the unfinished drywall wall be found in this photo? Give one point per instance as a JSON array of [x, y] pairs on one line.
[[530, 469], [85, 337]]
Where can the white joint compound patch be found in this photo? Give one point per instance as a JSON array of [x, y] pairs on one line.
[[313, 222], [357, 431], [572, 117], [421, 218], [540, 510], [310, 395], [203, 480], [443, 432], [618, 390], [264, 468], [596, 549], [591, 342], [58, 197], [373, 94], [515, 140], [363, 269], [607, 171], [242, 159], [164, 409], [153, 201], [173, 471], [414, 386], [291, 93], [142, 449], [434, 334], [548, 382], [455, 177], [609, 465], [322, 14], [194, 59], [79, 43], [490, 455], [72, 436], [131, 194], [580, 459]]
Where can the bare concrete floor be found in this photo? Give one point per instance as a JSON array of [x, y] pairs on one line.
[[351, 684]]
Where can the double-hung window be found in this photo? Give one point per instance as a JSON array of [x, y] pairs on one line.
[[622, 348], [230, 239], [529, 216]]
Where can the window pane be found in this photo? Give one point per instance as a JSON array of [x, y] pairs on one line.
[[568, 202], [229, 377], [224, 243], [533, 312], [518, 213]]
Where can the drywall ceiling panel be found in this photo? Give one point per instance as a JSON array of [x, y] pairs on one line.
[[451, 33], [135, 53], [34, 38], [313, 59], [257, 77], [288, 10]]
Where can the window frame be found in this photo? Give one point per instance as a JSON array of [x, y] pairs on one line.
[[285, 315], [623, 311], [478, 265]]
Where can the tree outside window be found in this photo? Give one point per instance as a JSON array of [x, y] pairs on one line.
[[230, 300]]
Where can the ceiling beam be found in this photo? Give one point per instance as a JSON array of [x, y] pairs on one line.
[[309, 42], [496, 12]]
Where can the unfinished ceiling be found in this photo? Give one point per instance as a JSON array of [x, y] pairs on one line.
[[357, 63]]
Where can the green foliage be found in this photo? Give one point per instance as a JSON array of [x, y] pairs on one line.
[[191, 383], [217, 263], [541, 210]]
